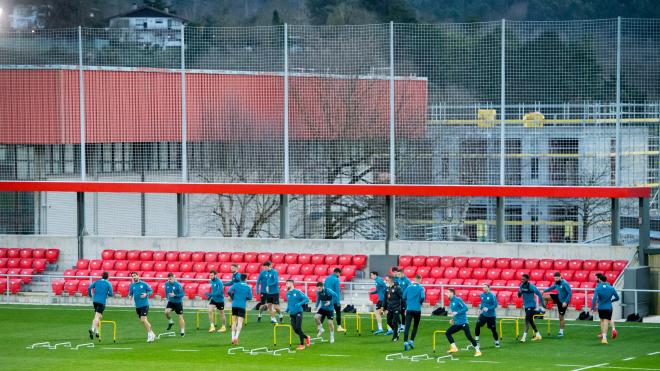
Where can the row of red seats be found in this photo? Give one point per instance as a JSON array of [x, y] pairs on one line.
[[505, 274], [511, 263], [38, 264], [15, 285], [476, 282], [235, 257], [51, 255], [28, 273]]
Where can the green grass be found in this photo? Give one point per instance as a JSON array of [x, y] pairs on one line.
[[22, 326]]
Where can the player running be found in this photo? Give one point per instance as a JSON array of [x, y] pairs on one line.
[[239, 293], [403, 283], [458, 312], [235, 276], [561, 299], [273, 292], [527, 291], [393, 303], [332, 283], [174, 295], [217, 301], [604, 295], [380, 290], [296, 300], [102, 290], [261, 288], [487, 315], [140, 292], [413, 297], [325, 299]]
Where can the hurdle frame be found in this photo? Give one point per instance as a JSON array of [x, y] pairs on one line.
[[435, 334], [197, 322], [114, 330], [280, 325], [546, 319], [513, 320], [358, 322]]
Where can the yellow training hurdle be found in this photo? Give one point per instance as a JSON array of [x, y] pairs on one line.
[[515, 320], [358, 322], [114, 330], [546, 319], [215, 317], [277, 326], [435, 333]]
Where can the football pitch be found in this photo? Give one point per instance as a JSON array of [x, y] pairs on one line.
[[637, 346]]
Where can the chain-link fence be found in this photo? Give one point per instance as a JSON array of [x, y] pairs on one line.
[[508, 103]]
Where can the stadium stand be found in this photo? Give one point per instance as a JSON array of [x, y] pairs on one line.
[[23, 261]]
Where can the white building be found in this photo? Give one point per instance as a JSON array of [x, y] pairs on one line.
[[26, 17], [149, 26]]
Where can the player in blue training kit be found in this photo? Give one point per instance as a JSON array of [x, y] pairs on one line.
[[528, 292], [325, 300], [261, 288], [459, 321], [413, 297], [604, 295], [403, 283], [561, 299], [140, 292], [216, 301], [380, 290], [235, 276], [102, 290], [239, 293], [174, 295], [332, 283], [273, 292], [487, 315], [296, 300]]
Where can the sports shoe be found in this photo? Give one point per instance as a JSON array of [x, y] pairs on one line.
[[321, 331], [411, 344], [389, 332], [300, 347], [560, 335], [523, 339], [477, 353], [183, 334], [452, 349], [281, 319], [308, 341], [97, 334], [222, 329], [273, 321], [169, 326], [395, 339], [340, 329], [258, 319], [151, 337], [603, 341], [537, 338], [91, 335], [332, 338], [378, 332], [233, 341], [212, 328], [497, 344], [405, 345], [613, 333]]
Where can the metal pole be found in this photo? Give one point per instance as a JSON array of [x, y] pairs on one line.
[[499, 223], [80, 214], [284, 216], [502, 102], [81, 90], [389, 222], [390, 201], [644, 229], [181, 215], [184, 118], [284, 199], [615, 239], [617, 169]]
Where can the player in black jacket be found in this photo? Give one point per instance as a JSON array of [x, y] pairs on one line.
[[393, 303]]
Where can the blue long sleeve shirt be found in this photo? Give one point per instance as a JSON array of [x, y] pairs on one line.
[[136, 290], [262, 283], [458, 307], [325, 299], [296, 300], [240, 293], [102, 290], [217, 293], [235, 278], [564, 291], [488, 300], [381, 287], [604, 294], [528, 292], [176, 289], [332, 283], [273, 282], [414, 296], [403, 282]]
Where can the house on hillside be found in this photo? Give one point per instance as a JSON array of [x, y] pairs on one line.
[[149, 26]]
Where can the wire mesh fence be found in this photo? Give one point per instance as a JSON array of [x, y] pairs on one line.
[[511, 103]]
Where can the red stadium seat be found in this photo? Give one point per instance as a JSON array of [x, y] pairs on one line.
[[96, 264], [26, 263], [160, 266], [108, 255], [479, 273], [611, 276], [121, 254], [410, 271], [499, 283], [191, 290], [263, 257], [405, 261], [302, 258], [14, 253], [587, 285], [546, 264], [503, 263], [307, 269], [52, 255], [27, 275], [332, 259], [185, 256], [474, 263], [237, 257], [518, 275], [146, 255], [198, 257], [373, 297], [123, 275], [132, 266], [493, 274], [172, 256], [199, 267], [517, 263], [278, 258], [605, 265], [437, 272], [250, 257], [590, 265], [344, 259], [311, 292], [433, 296], [291, 258], [513, 284], [360, 261], [191, 275], [147, 276], [581, 276], [549, 275], [213, 266], [82, 287], [577, 301], [13, 262], [159, 256], [39, 265], [71, 287], [82, 273], [96, 273], [293, 269], [537, 275], [252, 268], [456, 281], [451, 272], [488, 262], [185, 266], [3, 262], [108, 265], [82, 264], [349, 272], [253, 277], [460, 262], [575, 265], [560, 265], [147, 266], [474, 297], [465, 273], [69, 274], [619, 265], [225, 277], [531, 264], [442, 281], [25, 253], [471, 281], [320, 270], [57, 286], [3, 252], [297, 278], [567, 275], [419, 261], [433, 261], [133, 255], [504, 298], [447, 261], [424, 271], [508, 274], [224, 257], [173, 266], [39, 253]]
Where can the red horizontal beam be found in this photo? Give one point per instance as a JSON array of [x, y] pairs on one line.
[[333, 189]]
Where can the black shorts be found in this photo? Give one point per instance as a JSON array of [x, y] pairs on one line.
[[238, 312], [605, 314], [379, 304], [530, 312], [488, 321], [142, 311], [273, 299], [262, 301], [98, 307], [220, 305], [560, 307], [176, 307], [329, 314]]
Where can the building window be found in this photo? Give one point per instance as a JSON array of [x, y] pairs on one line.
[[654, 147], [534, 173], [476, 226], [25, 162], [473, 161], [534, 230], [563, 166], [513, 164], [563, 224], [513, 228]]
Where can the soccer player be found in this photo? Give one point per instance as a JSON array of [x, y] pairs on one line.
[[102, 290], [487, 315], [273, 292], [413, 297], [140, 292], [325, 300], [217, 301], [604, 294], [527, 291], [296, 300], [174, 295], [458, 312], [332, 283], [380, 290], [561, 299], [235, 276], [261, 288], [403, 283], [239, 293], [393, 303]]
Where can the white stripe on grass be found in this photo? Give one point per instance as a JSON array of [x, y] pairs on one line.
[[114, 348], [185, 350], [334, 355], [592, 366], [629, 358]]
